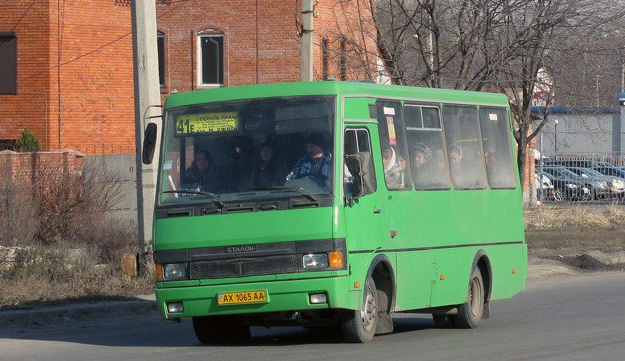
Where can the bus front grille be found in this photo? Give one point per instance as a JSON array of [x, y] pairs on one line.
[[238, 267]]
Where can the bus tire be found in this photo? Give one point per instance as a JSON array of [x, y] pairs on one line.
[[212, 329], [359, 325], [471, 312]]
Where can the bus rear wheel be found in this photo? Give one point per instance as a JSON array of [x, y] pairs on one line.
[[470, 313], [212, 329], [359, 325]]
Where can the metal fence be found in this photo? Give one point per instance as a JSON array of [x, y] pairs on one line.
[[598, 177]]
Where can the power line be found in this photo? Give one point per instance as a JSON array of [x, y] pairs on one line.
[[23, 15]]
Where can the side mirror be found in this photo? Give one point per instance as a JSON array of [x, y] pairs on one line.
[[361, 169], [149, 143]]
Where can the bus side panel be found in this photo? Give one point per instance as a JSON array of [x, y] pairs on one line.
[[509, 269], [451, 275], [414, 280]]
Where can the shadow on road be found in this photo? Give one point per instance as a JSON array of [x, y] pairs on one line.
[[143, 327]]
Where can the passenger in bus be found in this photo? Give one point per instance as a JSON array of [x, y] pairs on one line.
[[455, 158], [316, 164], [393, 171], [422, 169], [204, 174], [270, 169], [465, 172]]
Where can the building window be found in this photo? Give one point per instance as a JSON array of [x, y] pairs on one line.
[[8, 144], [211, 59], [324, 55], [160, 44], [343, 64], [8, 63]]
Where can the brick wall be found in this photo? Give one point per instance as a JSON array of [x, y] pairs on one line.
[[31, 107], [351, 21], [97, 90], [24, 168], [85, 104], [258, 35]]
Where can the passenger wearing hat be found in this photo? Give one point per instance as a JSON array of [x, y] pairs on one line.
[[316, 164], [422, 170]]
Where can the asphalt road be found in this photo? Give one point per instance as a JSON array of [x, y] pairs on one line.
[[565, 318]]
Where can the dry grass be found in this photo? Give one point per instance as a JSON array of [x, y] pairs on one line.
[[43, 275], [61, 244], [575, 230], [554, 218]]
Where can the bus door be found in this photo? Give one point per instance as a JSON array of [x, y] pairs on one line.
[[403, 210], [364, 219]]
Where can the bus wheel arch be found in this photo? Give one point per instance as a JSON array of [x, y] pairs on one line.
[[381, 271], [379, 290], [476, 308], [482, 262]]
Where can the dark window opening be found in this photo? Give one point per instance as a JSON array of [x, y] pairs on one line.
[[8, 144], [8, 64], [212, 59], [343, 65], [324, 55], [160, 44]]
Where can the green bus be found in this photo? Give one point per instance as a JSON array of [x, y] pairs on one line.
[[334, 205]]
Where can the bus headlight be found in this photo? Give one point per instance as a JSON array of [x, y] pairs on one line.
[[171, 271], [333, 260], [315, 261]]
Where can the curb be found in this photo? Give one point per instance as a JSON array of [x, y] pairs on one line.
[[40, 315]]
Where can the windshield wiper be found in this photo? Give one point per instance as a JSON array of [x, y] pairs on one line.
[[214, 197], [280, 188]]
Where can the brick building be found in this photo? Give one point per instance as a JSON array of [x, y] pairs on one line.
[[205, 44], [66, 67], [66, 74]]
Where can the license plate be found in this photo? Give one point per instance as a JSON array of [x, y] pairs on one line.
[[235, 298]]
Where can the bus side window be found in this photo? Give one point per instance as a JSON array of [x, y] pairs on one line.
[[464, 148], [426, 147], [497, 148], [358, 171], [393, 144]]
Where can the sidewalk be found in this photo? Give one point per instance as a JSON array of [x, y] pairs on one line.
[[41, 315]]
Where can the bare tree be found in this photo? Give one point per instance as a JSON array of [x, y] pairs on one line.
[[493, 45]]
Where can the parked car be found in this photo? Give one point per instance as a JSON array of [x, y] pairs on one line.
[[567, 189], [598, 188], [610, 170], [604, 168], [616, 185]]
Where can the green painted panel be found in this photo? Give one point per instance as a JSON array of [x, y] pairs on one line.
[[243, 228]]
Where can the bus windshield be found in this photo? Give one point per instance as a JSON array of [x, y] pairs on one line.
[[258, 149]]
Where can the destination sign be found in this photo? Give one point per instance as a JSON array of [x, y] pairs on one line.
[[206, 123]]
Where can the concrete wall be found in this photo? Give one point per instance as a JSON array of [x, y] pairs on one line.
[[583, 132], [122, 166]]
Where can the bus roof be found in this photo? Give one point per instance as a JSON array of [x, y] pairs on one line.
[[330, 88]]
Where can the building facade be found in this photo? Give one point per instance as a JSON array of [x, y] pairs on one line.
[[66, 68], [71, 77]]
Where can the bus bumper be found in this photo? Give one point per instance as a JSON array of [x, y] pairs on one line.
[[287, 295]]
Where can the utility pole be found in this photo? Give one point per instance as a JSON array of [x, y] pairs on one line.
[[308, 9], [147, 95]]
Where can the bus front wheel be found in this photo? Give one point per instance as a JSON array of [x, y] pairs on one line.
[[221, 329], [359, 326]]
